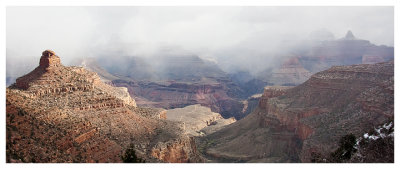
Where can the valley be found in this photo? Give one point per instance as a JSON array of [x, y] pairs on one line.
[[179, 107]]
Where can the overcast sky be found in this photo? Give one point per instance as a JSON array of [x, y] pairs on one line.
[[210, 32]]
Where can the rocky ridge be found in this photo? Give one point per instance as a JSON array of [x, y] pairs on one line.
[[66, 114], [309, 118], [318, 55]]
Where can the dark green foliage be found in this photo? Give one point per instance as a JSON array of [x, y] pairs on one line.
[[346, 148], [130, 156]]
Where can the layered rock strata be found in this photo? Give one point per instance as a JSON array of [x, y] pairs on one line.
[[291, 72], [290, 124], [66, 114]]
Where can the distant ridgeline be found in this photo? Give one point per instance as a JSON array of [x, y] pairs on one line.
[[322, 55]]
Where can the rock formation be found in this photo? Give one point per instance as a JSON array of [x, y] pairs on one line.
[[349, 35], [67, 114], [292, 123], [321, 53], [197, 118], [344, 51], [175, 82], [291, 72]]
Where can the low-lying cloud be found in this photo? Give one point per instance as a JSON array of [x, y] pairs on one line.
[[237, 38]]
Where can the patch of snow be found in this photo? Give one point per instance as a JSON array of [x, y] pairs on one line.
[[373, 137], [387, 127], [366, 135], [378, 130]]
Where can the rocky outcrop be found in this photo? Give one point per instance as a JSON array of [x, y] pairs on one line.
[[290, 124], [181, 150], [291, 72], [67, 114], [196, 118], [49, 60], [251, 104]]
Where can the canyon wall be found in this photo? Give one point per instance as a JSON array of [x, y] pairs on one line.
[[308, 118], [67, 114]]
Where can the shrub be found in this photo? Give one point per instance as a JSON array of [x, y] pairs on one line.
[[130, 156], [346, 148]]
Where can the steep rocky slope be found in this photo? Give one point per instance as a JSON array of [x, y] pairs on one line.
[[66, 114], [290, 124]]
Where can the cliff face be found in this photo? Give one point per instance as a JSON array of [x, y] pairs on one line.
[[357, 97], [66, 114], [177, 151], [310, 117]]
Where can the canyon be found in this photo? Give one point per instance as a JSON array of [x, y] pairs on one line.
[[181, 81], [67, 114], [290, 123], [182, 108]]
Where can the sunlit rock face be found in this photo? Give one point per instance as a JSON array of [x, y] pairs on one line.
[[67, 114], [198, 120]]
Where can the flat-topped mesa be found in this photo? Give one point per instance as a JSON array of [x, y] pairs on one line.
[[49, 60]]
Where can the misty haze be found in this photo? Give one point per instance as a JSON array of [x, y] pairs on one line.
[[200, 84]]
